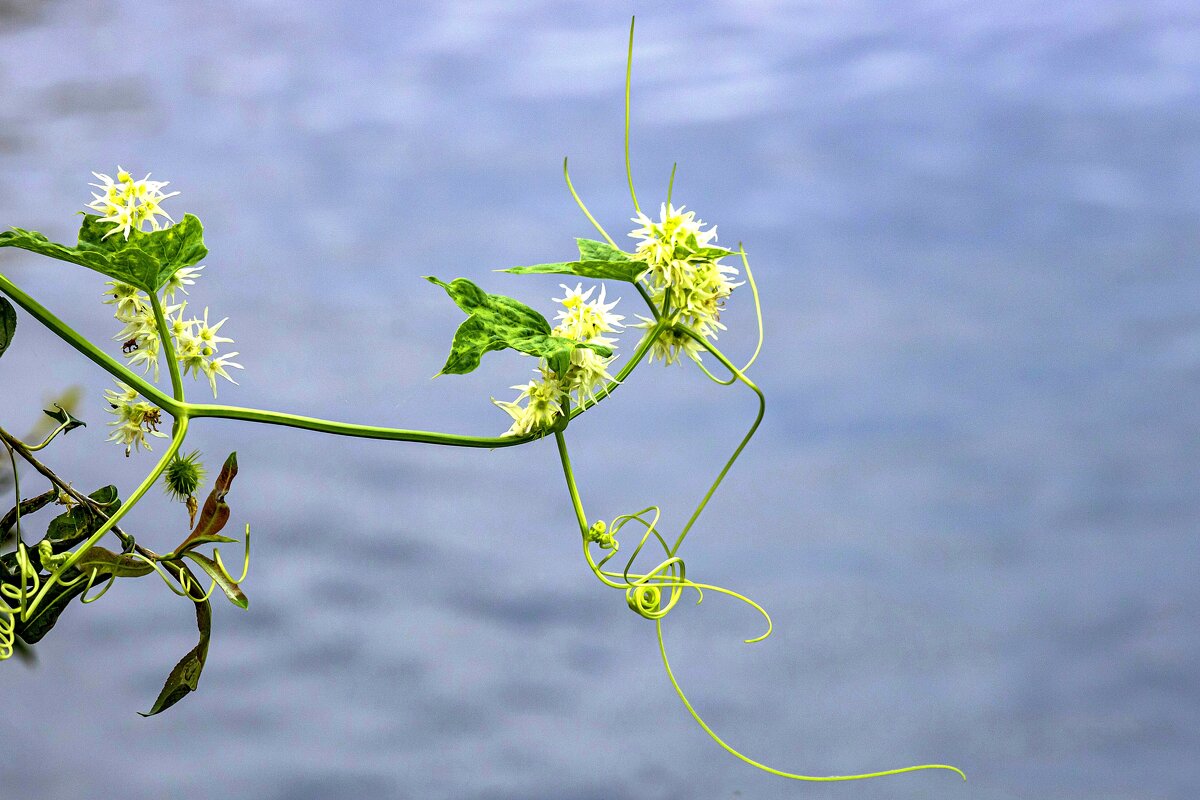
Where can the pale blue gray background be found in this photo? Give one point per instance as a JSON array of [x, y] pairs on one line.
[[973, 510]]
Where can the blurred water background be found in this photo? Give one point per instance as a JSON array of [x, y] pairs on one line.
[[973, 507]]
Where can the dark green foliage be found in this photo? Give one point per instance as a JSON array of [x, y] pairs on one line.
[[496, 322], [72, 527], [146, 260], [185, 677], [64, 417], [597, 260], [8, 324]]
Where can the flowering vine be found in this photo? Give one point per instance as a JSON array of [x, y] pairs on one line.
[[676, 266]]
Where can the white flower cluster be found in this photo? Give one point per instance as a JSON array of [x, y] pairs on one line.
[[196, 341], [584, 320], [129, 204], [542, 405], [196, 344], [134, 418], [685, 273]]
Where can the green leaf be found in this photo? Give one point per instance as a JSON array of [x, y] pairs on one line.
[[712, 252], [106, 562], [29, 505], [145, 260], [496, 322], [8, 324], [185, 677], [231, 589], [169, 249], [597, 261], [196, 541], [627, 271], [72, 527], [499, 311], [64, 417], [35, 242], [592, 250]]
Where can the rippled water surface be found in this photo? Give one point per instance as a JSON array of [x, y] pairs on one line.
[[972, 510]]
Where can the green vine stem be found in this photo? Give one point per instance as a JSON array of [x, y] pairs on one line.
[[164, 335], [180, 409], [758, 418]]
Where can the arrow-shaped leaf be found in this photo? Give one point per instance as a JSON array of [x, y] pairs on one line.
[[185, 677], [597, 260], [64, 417], [214, 570], [496, 322]]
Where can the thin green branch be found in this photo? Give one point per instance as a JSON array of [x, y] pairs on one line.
[[649, 301], [182, 410], [757, 306], [583, 208], [762, 408], [90, 351], [572, 487], [662, 648], [628, 79], [49, 437], [638, 354], [164, 335]]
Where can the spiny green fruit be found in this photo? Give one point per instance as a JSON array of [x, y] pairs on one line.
[[184, 475]]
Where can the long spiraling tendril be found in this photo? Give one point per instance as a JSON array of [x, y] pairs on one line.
[[653, 593], [662, 648], [628, 80]]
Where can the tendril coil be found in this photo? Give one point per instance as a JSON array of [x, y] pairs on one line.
[[26, 574]]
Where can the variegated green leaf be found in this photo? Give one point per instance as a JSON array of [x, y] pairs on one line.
[[496, 322], [597, 261], [146, 260]]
